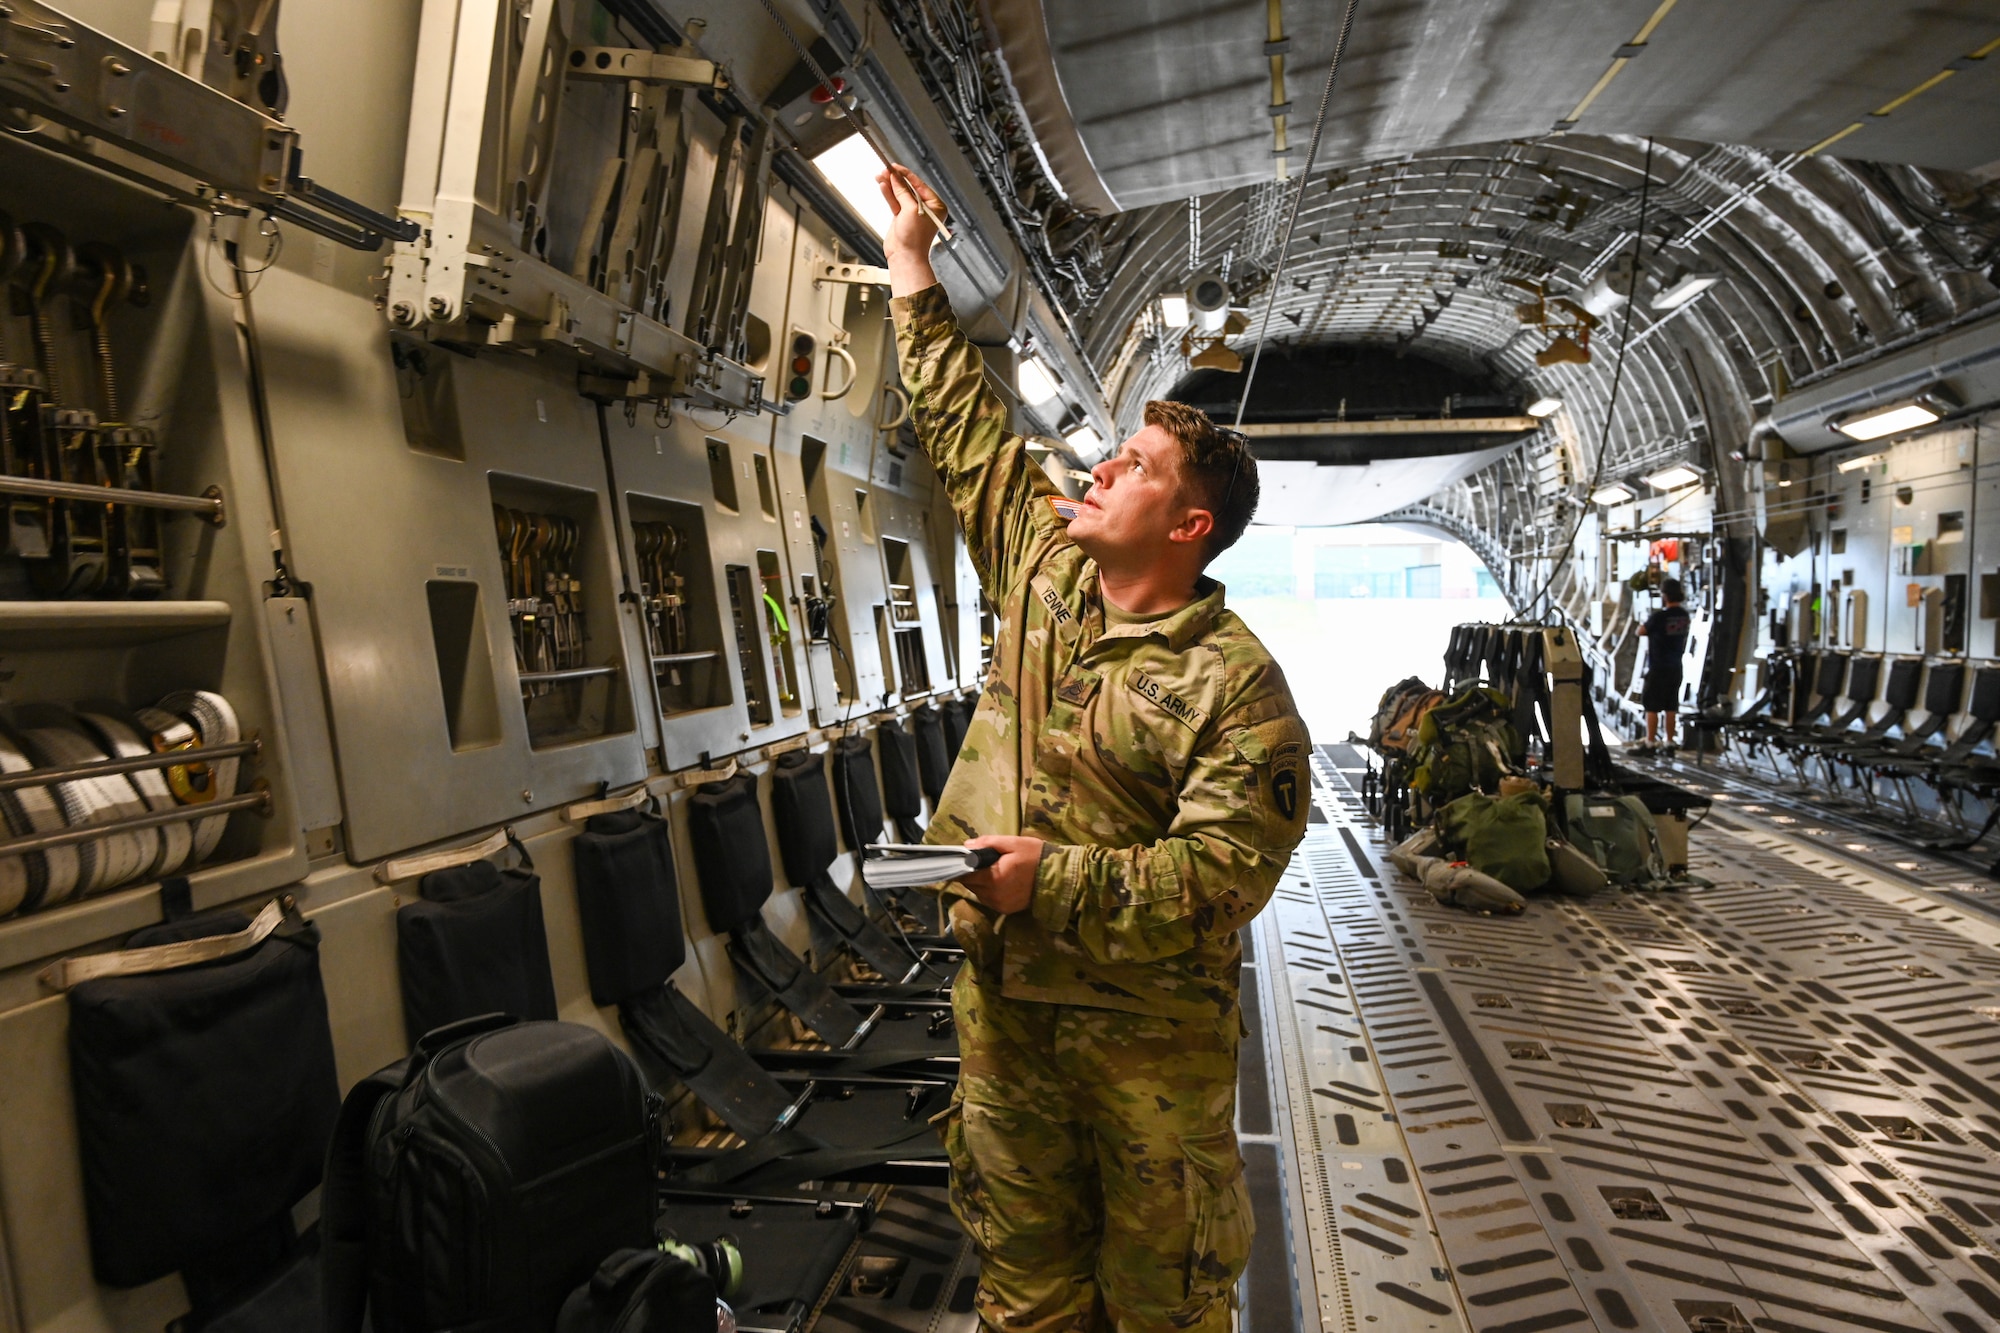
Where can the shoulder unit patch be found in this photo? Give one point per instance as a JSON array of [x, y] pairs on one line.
[[1285, 792]]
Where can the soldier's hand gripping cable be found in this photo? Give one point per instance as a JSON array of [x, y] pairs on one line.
[[1139, 764]]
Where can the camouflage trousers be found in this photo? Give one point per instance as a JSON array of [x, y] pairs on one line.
[[1094, 1162]]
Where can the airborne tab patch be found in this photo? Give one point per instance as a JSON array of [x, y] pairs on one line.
[[1152, 691]]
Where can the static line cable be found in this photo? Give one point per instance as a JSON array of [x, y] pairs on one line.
[[1284, 248], [849, 108], [1617, 379]]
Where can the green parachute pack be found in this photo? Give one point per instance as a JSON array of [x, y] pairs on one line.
[[1505, 836], [1467, 743], [1511, 839]]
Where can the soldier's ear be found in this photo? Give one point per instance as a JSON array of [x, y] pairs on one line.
[[1195, 525]]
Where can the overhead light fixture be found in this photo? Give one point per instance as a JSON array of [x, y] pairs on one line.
[[1544, 407], [1616, 493], [1866, 460], [1932, 405], [1603, 296], [1035, 382], [1672, 478], [1174, 310], [850, 167], [1891, 421], [1084, 437], [1684, 289], [1209, 298]]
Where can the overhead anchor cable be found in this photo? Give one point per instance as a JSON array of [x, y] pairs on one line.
[[1611, 403], [1292, 221]]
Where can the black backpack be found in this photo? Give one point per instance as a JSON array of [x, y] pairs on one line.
[[476, 1184], [641, 1291]]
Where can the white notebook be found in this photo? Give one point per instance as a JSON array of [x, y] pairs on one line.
[[890, 865]]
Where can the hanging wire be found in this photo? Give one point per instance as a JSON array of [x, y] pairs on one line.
[[1292, 220], [247, 276], [1527, 608], [1284, 253]]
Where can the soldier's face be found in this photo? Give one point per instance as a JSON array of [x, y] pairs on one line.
[[1134, 505]]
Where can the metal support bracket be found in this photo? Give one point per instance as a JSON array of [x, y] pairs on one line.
[[1564, 664], [216, 152], [464, 273], [53, 66], [867, 275], [619, 64]]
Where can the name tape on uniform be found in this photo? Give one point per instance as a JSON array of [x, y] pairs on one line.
[[1149, 689], [1045, 592]]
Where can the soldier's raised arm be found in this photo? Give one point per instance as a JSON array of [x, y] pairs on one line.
[[999, 494]]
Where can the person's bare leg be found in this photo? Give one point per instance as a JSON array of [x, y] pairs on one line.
[[1652, 728]]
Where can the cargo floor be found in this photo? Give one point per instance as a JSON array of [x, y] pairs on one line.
[[1764, 1104], [912, 1272]]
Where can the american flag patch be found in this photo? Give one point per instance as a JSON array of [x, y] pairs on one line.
[[1065, 508]]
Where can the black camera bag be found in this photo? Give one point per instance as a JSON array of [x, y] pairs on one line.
[[478, 1183], [641, 1291]]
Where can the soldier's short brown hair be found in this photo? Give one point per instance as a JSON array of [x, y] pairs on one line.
[[1218, 471]]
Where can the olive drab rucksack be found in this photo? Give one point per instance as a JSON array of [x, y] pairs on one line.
[[1403, 708], [1504, 836], [1620, 834], [1468, 743]]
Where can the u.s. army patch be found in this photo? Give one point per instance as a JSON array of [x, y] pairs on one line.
[[1180, 709]]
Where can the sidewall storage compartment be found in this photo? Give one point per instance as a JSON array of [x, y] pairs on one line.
[[175, 371], [425, 691], [710, 485]]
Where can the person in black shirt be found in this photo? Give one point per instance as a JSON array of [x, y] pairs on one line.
[[1666, 635]]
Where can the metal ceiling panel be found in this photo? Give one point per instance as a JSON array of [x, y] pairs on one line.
[[1171, 96]]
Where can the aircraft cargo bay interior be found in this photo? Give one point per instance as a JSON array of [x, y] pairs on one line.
[[936, 665]]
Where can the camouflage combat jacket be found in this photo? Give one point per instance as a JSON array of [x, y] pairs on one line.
[[1164, 761]]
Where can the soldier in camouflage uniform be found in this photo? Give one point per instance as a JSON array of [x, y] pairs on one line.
[[1139, 763]]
